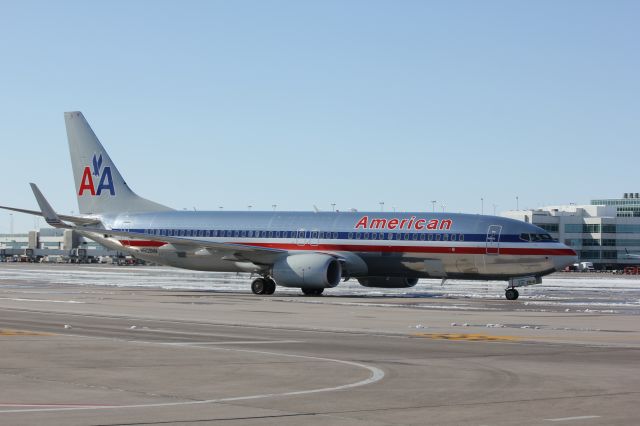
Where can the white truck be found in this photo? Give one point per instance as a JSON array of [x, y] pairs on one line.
[[584, 267]]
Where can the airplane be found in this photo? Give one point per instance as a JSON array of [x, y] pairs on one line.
[[631, 255], [312, 251]]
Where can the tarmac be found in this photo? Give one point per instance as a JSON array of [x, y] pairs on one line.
[[102, 355]]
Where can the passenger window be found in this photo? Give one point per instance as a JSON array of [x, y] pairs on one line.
[[374, 236], [454, 237], [438, 237], [406, 236], [421, 237], [365, 236], [430, 237], [414, 237], [461, 237], [350, 235]]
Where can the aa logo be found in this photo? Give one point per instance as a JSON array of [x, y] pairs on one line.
[[105, 181]]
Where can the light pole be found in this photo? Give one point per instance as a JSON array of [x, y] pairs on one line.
[[381, 206], [517, 203], [481, 205], [11, 223], [249, 207], [433, 205], [443, 207], [494, 209], [333, 207], [274, 206]]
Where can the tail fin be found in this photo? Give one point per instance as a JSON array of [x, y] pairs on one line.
[[99, 186]]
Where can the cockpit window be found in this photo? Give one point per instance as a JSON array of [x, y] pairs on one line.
[[536, 237]]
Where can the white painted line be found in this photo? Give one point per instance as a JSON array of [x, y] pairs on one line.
[[568, 419], [7, 404], [232, 342], [376, 375], [38, 300]]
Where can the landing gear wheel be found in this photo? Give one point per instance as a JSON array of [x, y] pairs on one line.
[[312, 291], [270, 286], [511, 294], [259, 286]]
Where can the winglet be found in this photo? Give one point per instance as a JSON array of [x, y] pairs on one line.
[[47, 211]]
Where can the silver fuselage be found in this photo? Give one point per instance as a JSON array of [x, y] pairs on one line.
[[390, 244]]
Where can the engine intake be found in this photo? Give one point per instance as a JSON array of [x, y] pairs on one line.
[[388, 282], [309, 270]]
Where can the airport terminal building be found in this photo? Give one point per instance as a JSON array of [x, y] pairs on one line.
[[50, 242], [602, 232]]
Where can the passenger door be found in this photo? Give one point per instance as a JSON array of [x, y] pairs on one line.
[[493, 239]]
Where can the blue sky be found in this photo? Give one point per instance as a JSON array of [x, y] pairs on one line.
[[237, 103]]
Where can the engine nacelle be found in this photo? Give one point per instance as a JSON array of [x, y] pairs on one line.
[[388, 282], [311, 270]]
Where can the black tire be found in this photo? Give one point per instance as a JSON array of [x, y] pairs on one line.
[[259, 286], [270, 287], [511, 294], [312, 291]]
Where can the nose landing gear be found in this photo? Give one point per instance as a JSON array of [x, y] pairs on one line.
[[511, 294]]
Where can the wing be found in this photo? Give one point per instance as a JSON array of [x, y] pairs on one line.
[[230, 251]]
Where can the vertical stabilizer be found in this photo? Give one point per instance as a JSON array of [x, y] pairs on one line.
[[99, 186]]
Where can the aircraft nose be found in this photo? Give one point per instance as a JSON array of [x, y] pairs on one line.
[[567, 257]]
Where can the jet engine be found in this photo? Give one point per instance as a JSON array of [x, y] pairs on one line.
[[388, 282], [309, 270]]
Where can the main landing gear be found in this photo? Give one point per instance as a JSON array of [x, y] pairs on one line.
[[263, 286], [312, 291], [511, 294]]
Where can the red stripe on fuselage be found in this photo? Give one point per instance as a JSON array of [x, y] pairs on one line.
[[527, 251], [142, 243], [418, 249]]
